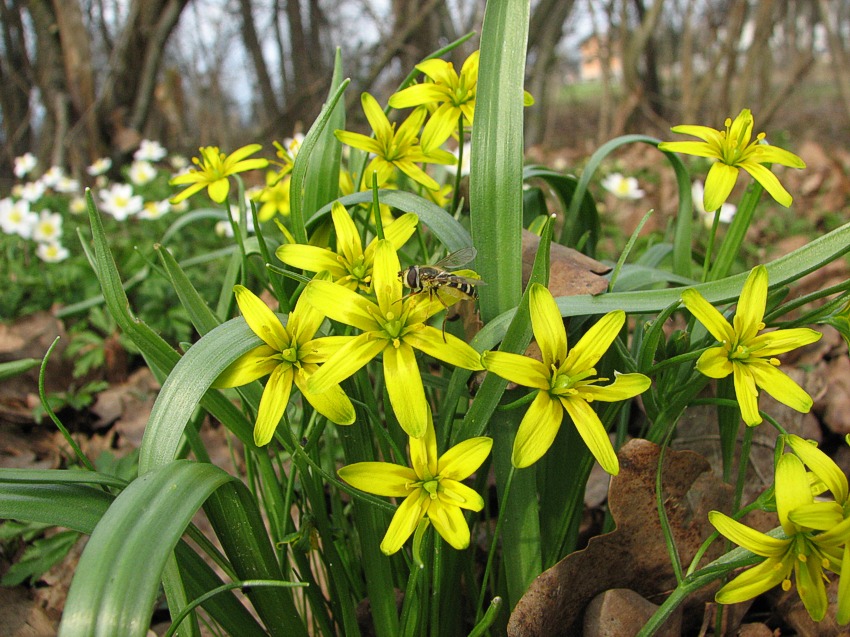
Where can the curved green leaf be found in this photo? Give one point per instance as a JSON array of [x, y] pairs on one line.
[[448, 230], [73, 506], [116, 581], [186, 385], [684, 216], [303, 161], [586, 220]]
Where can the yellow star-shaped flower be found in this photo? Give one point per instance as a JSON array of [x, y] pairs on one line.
[[747, 352], [734, 149], [431, 487]]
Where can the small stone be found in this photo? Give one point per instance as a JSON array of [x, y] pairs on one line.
[[621, 612]]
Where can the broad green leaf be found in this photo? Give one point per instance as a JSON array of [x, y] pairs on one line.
[[186, 385], [495, 180], [303, 161], [321, 185], [116, 581]]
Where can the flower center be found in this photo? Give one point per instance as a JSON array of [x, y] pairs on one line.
[[290, 354], [431, 486]]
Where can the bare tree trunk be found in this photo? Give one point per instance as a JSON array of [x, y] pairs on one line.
[[421, 40], [50, 81], [545, 31], [252, 44], [15, 77], [637, 44], [85, 145], [125, 101], [840, 59]]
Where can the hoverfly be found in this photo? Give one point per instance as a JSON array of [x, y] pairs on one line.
[[438, 281]]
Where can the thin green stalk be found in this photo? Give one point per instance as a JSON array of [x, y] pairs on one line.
[[743, 463], [489, 617], [432, 592], [710, 247], [675, 360], [243, 585], [456, 190], [494, 543], [627, 250], [669, 539], [42, 394], [376, 210]]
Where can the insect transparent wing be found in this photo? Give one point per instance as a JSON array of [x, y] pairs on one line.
[[457, 259]]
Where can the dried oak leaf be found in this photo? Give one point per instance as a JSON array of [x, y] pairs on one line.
[[634, 555], [570, 273]]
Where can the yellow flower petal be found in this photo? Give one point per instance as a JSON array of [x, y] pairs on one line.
[[257, 363], [333, 403], [404, 386], [358, 351], [272, 404], [262, 321], [770, 182], [809, 578], [750, 539], [449, 522], [423, 452], [311, 258], [347, 237], [452, 351], [547, 325], [537, 430], [792, 489], [821, 465], [624, 386], [708, 315], [780, 386], [380, 478], [714, 363], [593, 433], [517, 369], [746, 393], [718, 184], [376, 117], [385, 282], [750, 312], [781, 341], [218, 190], [458, 494], [595, 342], [754, 581], [404, 522], [341, 304], [462, 460]]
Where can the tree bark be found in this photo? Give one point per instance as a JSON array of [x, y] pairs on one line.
[[16, 78], [252, 44]]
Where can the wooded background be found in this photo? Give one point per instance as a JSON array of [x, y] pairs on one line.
[[82, 79]]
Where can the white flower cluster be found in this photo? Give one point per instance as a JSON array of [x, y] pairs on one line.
[[25, 213]]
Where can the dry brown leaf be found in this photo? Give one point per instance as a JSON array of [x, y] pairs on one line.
[[634, 555], [571, 273]]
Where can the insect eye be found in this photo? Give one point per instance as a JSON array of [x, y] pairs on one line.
[[411, 278]]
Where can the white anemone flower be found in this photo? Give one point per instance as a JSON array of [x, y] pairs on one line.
[[150, 150], [17, 218], [24, 165], [120, 202], [141, 172], [52, 252], [622, 187], [48, 228]]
